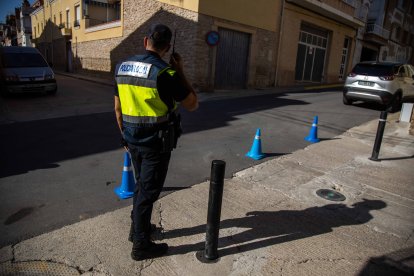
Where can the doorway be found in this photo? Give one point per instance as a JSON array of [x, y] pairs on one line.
[[310, 58]]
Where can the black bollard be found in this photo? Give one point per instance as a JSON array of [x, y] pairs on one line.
[[380, 134], [210, 253]]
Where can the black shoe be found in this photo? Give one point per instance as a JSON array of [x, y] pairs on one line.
[[148, 250], [132, 232]]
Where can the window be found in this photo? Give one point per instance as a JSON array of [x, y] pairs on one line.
[[405, 37], [101, 12], [23, 60], [118, 10], [344, 57], [396, 33], [67, 18], [77, 16], [400, 4], [375, 69], [310, 58]]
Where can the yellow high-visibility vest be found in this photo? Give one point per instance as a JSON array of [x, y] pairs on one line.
[[137, 88]]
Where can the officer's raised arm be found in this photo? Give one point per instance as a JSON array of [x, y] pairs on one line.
[[190, 103]]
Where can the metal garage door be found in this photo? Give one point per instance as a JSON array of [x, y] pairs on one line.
[[232, 58]]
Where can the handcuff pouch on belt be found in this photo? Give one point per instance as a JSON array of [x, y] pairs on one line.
[[169, 134]]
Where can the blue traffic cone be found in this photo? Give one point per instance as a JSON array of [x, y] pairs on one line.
[[313, 134], [126, 190], [256, 150]]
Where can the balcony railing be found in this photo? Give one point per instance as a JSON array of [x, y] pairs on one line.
[[377, 30], [66, 31], [104, 26], [90, 22]]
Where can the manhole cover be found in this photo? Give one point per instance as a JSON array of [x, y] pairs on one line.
[[37, 268], [330, 195]]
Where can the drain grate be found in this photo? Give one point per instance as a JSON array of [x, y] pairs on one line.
[[330, 195], [37, 268]]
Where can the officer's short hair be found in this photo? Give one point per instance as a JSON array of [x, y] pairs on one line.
[[160, 36]]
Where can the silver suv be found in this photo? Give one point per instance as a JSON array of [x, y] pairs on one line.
[[382, 82]]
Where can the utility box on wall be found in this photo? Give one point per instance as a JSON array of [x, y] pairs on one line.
[[406, 112]]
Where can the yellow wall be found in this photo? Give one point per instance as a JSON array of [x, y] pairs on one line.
[[37, 19], [46, 15], [293, 16], [258, 13]]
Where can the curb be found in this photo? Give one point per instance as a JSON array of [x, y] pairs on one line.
[[292, 88], [324, 86], [76, 76]]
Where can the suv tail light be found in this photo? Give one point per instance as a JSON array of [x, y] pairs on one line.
[[387, 78], [352, 74]]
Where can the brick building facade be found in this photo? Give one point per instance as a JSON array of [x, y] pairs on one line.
[[191, 28], [262, 43], [257, 67]]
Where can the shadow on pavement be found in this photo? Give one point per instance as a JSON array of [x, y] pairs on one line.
[[270, 154], [265, 228], [42, 144], [396, 263], [396, 158], [173, 189], [214, 114], [370, 105], [329, 139]]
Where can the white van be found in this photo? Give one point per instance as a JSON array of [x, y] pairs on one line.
[[24, 70]]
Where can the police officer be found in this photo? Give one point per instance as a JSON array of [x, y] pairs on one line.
[[146, 96]]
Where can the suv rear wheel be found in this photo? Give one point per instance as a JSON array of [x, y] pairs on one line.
[[346, 101]]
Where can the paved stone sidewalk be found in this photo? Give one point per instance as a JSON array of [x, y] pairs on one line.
[[272, 221]]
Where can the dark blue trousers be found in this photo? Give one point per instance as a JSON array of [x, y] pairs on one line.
[[151, 168]]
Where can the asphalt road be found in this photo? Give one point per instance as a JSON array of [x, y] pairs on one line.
[[60, 157]]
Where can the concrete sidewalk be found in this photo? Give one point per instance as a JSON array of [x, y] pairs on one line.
[[272, 221], [221, 94]]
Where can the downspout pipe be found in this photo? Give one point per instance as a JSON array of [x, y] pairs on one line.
[[281, 21]]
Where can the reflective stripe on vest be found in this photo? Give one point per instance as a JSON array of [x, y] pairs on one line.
[[141, 104], [137, 88]]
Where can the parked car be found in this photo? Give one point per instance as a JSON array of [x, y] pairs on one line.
[[23, 69], [382, 82]]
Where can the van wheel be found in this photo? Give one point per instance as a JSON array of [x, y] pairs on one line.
[[3, 92], [396, 103], [346, 101], [53, 92]]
